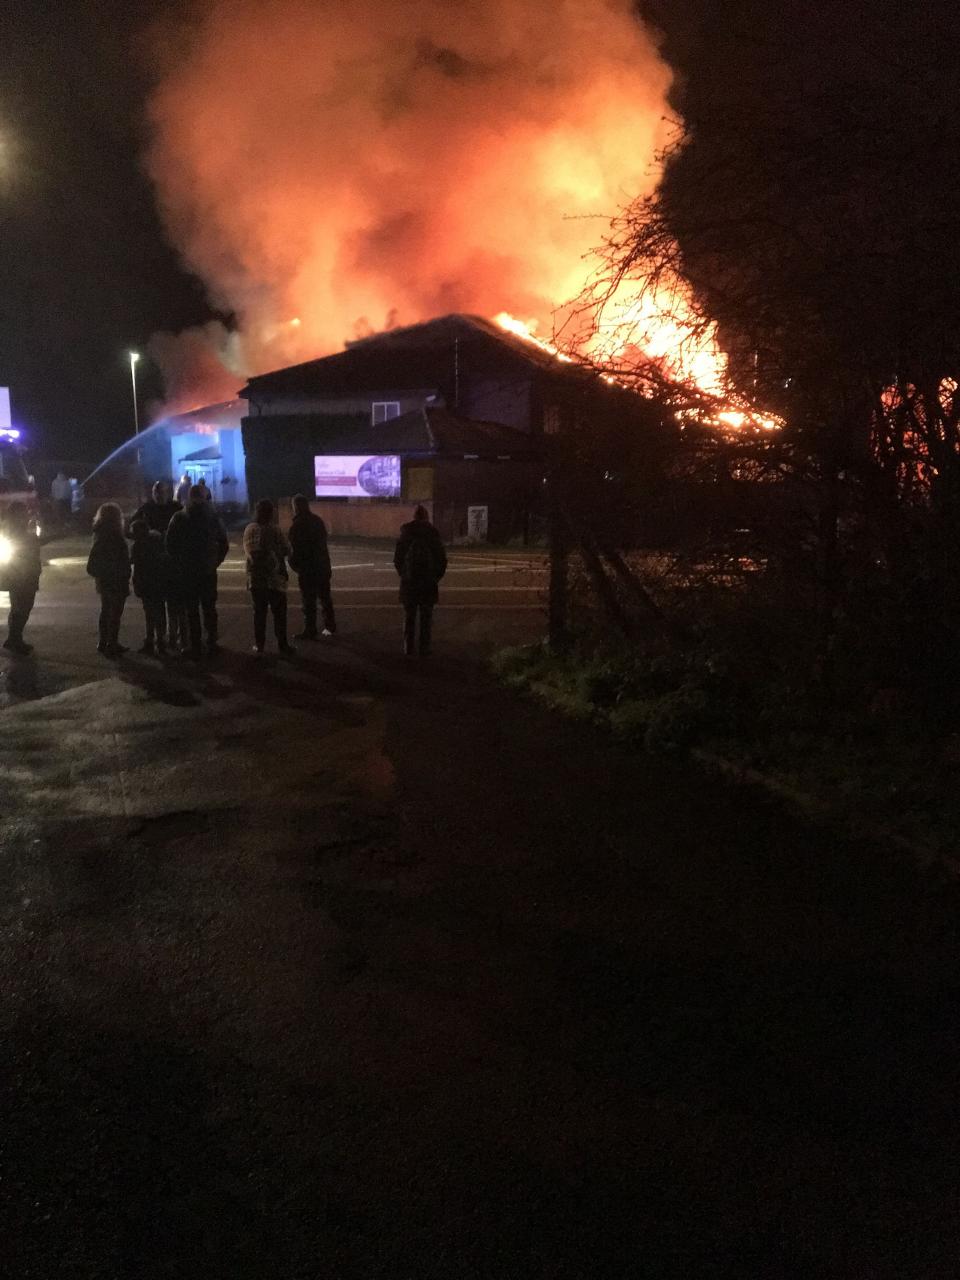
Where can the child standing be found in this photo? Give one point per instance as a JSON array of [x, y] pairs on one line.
[[109, 566], [150, 575]]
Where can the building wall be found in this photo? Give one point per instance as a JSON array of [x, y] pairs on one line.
[[509, 489], [366, 518], [491, 398], [361, 403], [233, 467], [280, 456]]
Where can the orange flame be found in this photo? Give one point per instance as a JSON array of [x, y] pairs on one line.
[[665, 340]]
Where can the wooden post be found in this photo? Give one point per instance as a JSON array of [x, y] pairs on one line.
[[559, 539]]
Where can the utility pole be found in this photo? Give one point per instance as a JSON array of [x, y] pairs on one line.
[[134, 357]]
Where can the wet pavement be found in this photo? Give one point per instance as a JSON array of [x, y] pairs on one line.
[[359, 967]]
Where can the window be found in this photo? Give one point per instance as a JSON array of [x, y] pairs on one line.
[[384, 410], [551, 419]]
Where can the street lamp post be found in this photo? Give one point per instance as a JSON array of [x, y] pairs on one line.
[[134, 357]]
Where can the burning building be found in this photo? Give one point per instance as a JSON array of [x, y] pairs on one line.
[[450, 413]]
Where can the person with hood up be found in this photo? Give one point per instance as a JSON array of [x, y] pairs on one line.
[[109, 566], [197, 545], [266, 550], [19, 574], [421, 561], [310, 560], [159, 509]]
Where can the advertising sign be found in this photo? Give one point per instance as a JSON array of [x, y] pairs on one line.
[[357, 476]]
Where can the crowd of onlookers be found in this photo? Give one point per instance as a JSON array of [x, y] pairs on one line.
[[171, 552]]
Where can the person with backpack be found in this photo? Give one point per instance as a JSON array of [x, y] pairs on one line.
[[421, 561], [109, 566], [266, 550], [310, 561], [197, 545], [150, 574], [19, 574]]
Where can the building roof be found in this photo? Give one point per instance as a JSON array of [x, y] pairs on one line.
[[415, 358], [215, 416]]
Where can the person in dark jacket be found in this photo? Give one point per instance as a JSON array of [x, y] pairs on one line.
[[19, 574], [159, 510], [310, 561], [197, 545], [150, 577], [109, 566], [421, 561], [266, 550]]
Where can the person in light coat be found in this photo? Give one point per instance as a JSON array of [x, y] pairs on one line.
[[266, 550]]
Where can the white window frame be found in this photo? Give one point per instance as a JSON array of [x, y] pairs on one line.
[[391, 409]]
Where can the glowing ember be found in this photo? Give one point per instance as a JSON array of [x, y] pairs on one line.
[[527, 331]]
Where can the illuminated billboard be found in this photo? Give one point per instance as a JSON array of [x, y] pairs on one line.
[[357, 475]]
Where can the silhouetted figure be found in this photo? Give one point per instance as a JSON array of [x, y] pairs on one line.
[[159, 509], [19, 574], [266, 550], [310, 560], [197, 545], [109, 566], [61, 493], [150, 577], [182, 494], [421, 561]]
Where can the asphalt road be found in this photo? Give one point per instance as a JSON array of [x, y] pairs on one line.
[[489, 598], [358, 966]]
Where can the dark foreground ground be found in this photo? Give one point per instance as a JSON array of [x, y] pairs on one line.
[[362, 968]]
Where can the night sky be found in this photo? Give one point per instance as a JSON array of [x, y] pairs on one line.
[[86, 273]]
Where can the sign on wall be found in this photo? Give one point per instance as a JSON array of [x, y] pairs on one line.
[[477, 523], [357, 475]]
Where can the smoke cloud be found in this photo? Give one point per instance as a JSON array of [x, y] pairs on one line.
[[335, 167]]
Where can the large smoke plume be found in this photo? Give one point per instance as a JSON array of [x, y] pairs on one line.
[[332, 167]]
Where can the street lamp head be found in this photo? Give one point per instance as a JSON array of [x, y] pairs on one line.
[[134, 357]]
